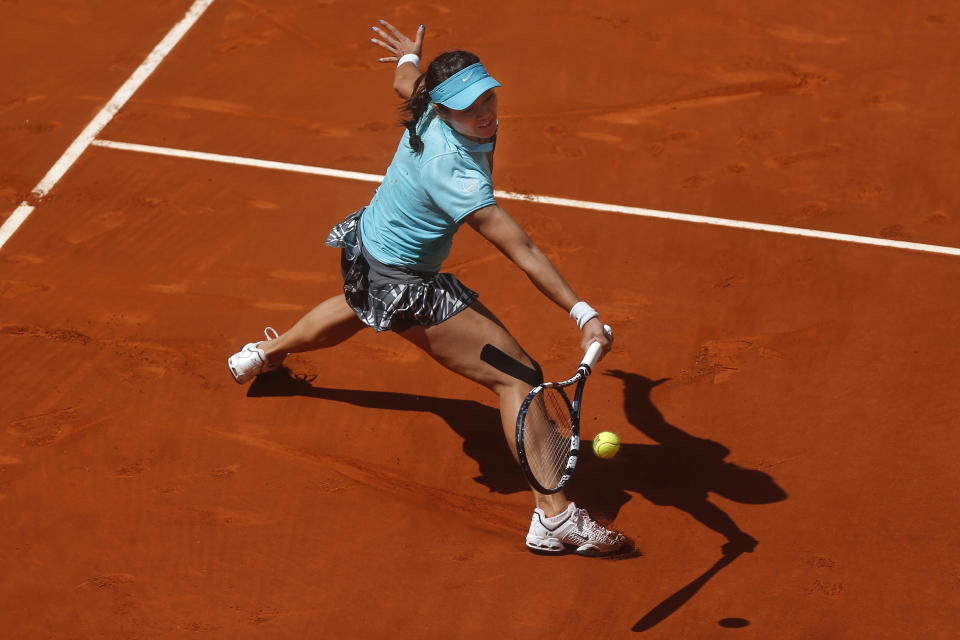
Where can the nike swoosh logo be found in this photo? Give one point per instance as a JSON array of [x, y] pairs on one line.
[[466, 77]]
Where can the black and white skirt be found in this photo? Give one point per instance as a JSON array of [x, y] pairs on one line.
[[391, 297]]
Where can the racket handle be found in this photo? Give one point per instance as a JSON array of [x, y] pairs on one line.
[[594, 351]]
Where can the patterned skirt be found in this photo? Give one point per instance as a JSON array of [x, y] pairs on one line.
[[391, 297]]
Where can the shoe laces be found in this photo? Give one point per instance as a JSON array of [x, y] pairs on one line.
[[593, 529], [277, 359]]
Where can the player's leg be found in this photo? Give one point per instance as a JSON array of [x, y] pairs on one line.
[[458, 342], [328, 324]]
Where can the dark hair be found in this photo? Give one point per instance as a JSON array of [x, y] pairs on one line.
[[442, 67]]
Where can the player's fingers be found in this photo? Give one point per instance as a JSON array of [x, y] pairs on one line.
[[400, 39], [392, 29], [605, 340], [418, 42], [388, 59], [608, 333], [605, 344], [383, 44], [393, 41]]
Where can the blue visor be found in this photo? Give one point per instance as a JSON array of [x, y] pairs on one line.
[[460, 90]]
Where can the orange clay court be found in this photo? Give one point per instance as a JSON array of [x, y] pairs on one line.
[[797, 389]]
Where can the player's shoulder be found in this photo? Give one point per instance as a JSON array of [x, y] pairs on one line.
[[455, 170], [436, 142], [444, 159]]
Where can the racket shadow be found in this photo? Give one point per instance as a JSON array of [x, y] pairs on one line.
[[477, 424], [676, 600], [680, 471]]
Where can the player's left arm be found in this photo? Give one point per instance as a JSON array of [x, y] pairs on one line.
[[503, 232], [405, 77]]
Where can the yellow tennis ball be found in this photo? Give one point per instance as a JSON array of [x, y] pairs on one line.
[[606, 444]]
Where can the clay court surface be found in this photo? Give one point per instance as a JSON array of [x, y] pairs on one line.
[[798, 390]]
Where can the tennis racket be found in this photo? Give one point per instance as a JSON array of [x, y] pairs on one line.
[[548, 427]]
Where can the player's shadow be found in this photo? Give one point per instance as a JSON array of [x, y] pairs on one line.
[[679, 471], [477, 424]]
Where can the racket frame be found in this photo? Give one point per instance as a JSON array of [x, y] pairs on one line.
[[573, 407], [590, 359]]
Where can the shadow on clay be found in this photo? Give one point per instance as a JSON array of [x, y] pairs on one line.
[[477, 424], [679, 471]]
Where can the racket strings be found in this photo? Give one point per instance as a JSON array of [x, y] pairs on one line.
[[548, 432]]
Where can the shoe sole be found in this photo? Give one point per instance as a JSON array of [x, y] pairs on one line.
[[545, 544], [589, 553], [544, 552], [547, 548]]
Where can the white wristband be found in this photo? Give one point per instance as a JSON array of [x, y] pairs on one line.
[[583, 313], [409, 57]]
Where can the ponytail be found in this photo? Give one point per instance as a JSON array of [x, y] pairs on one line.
[[414, 108]]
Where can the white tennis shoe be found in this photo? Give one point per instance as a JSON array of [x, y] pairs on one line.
[[251, 361], [573, 528]]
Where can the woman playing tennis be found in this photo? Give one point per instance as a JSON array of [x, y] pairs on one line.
[[392, 251]]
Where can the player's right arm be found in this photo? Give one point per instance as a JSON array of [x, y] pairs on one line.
[[503, 232], [399, 45]]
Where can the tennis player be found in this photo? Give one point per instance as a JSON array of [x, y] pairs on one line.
[[392, 251]]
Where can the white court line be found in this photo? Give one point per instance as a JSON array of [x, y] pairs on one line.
[[246, 162], [102, 118], [561, 202]]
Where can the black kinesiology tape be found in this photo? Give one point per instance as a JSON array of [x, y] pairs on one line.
[[510, 366]]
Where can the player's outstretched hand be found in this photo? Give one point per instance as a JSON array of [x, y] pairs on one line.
[[594, 331], [395, 42]]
